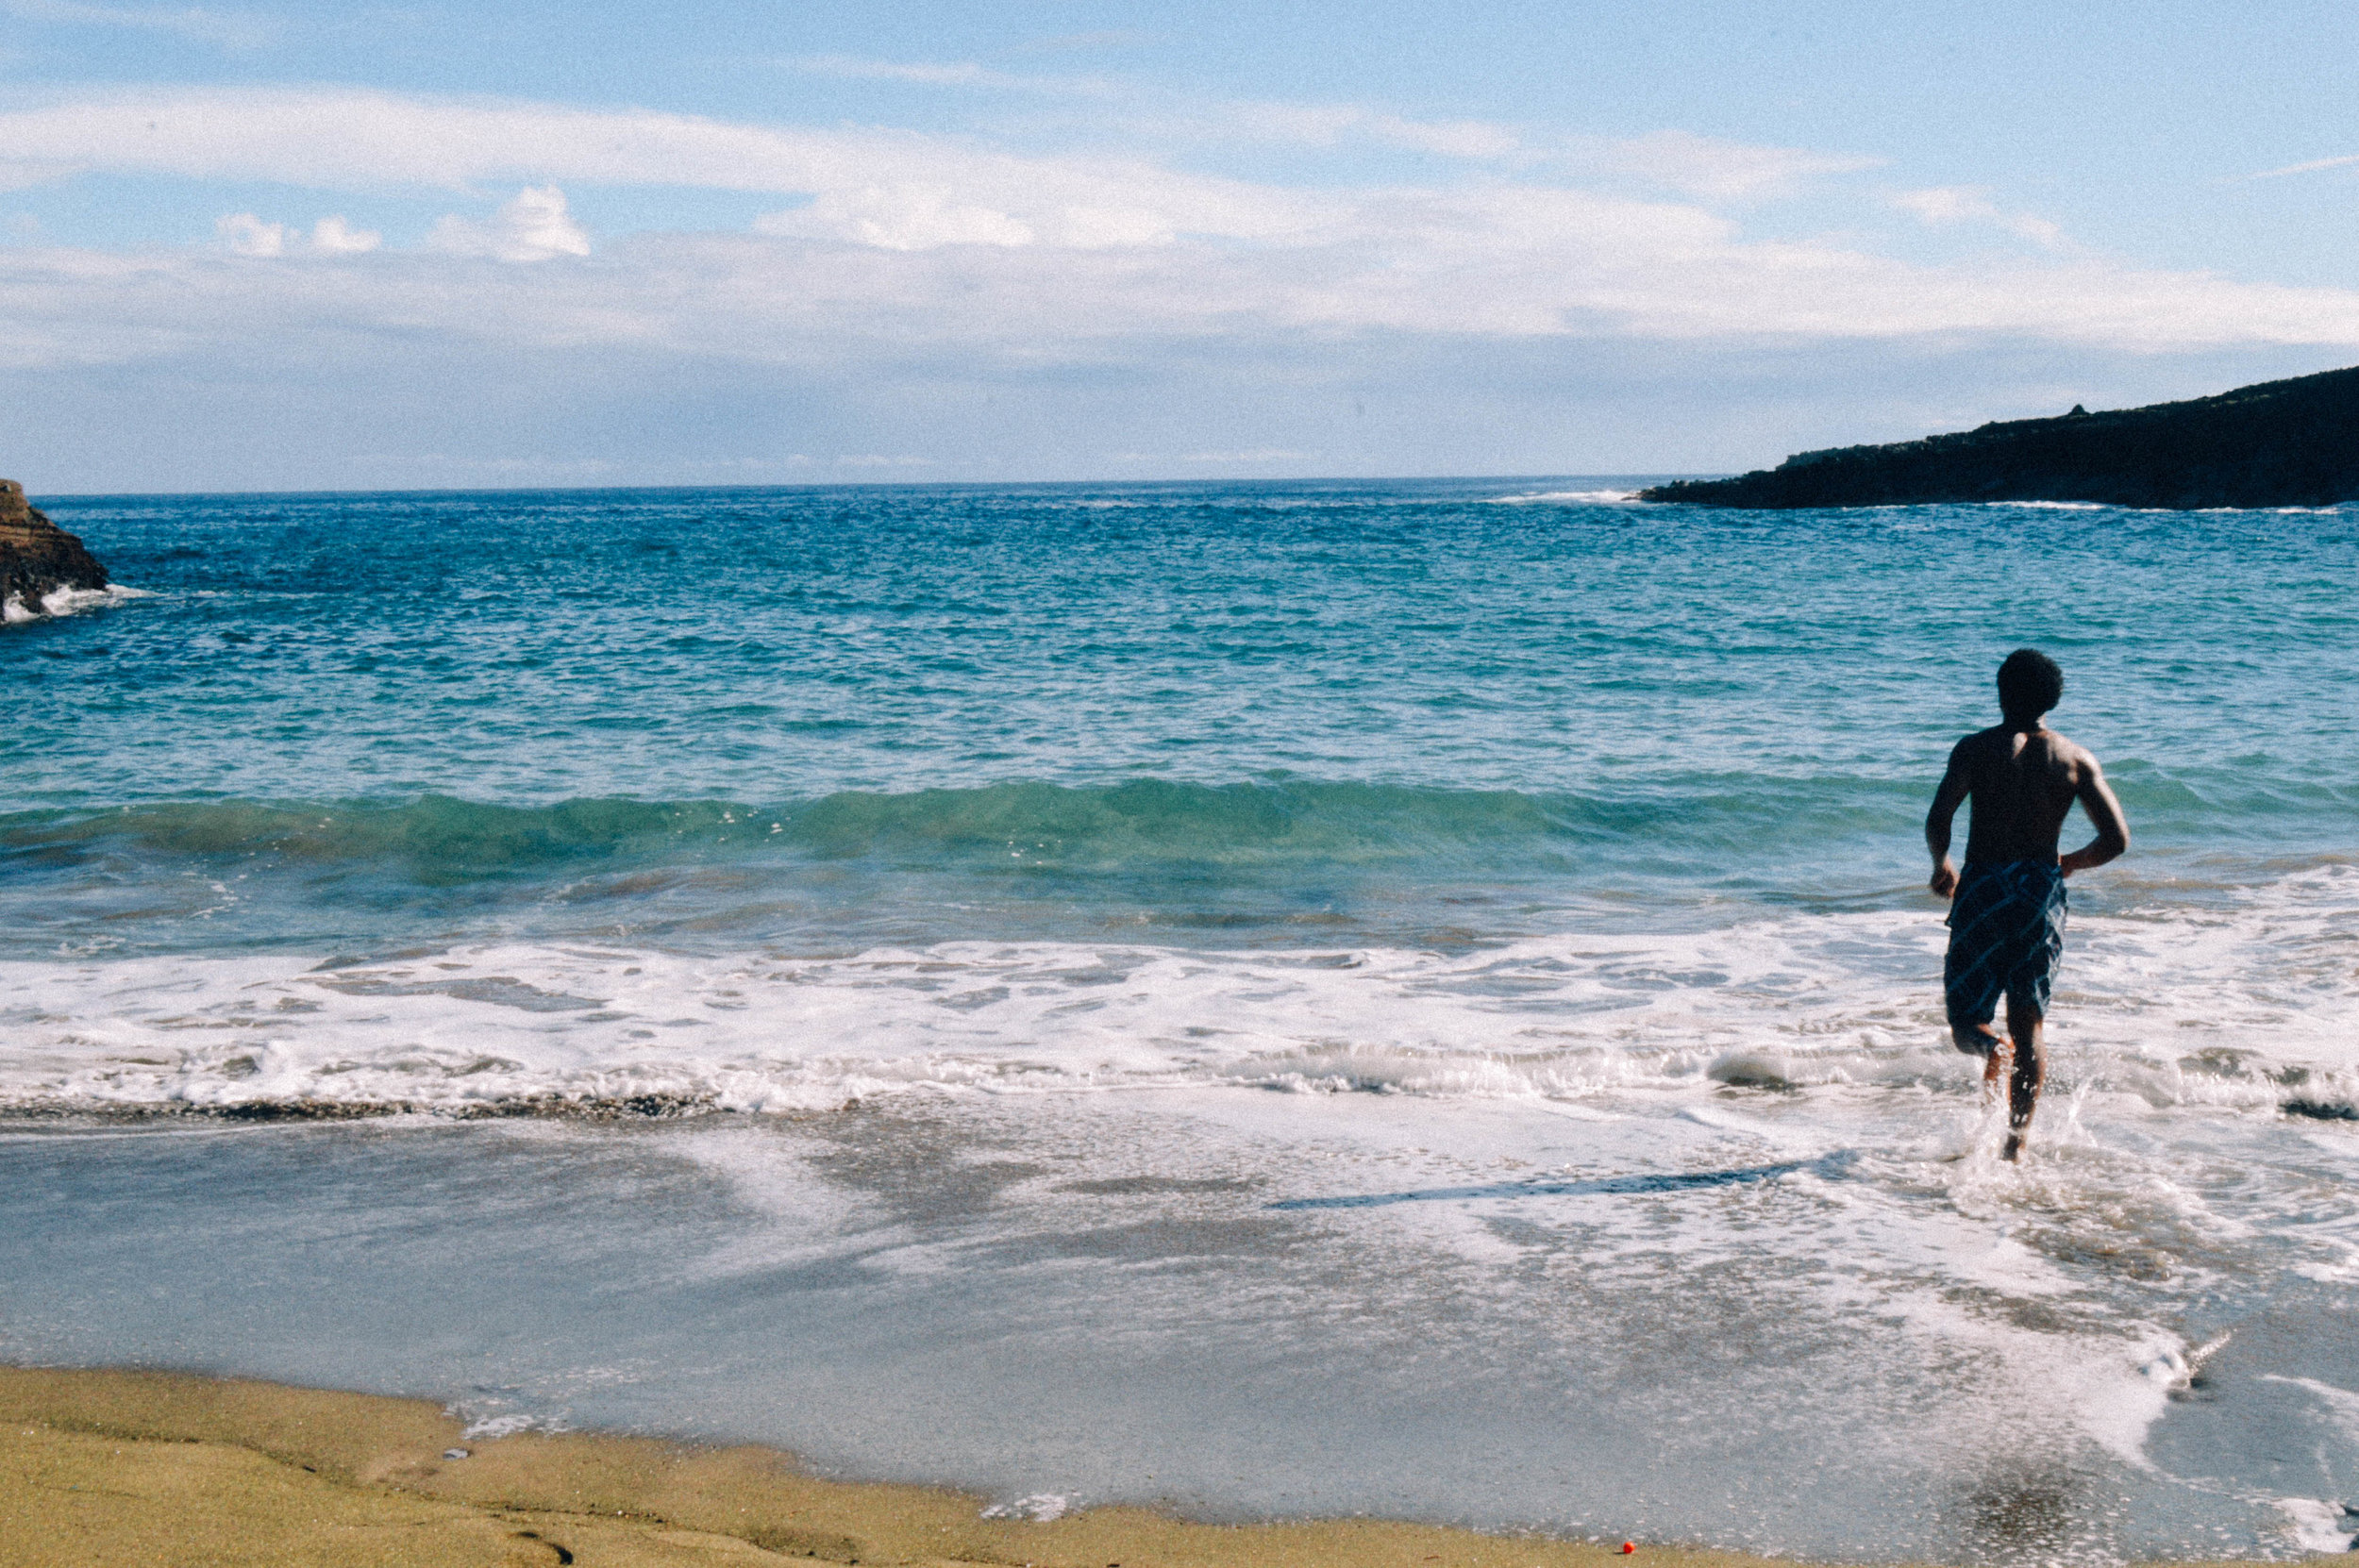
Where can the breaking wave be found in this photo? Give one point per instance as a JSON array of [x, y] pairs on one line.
[[2259, 1013], [14, 611]]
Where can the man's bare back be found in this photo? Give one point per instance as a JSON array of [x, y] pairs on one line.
[[2007, 921], [2023, 783]]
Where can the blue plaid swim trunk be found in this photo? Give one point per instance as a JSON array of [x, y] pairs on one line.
[[2006, 932]]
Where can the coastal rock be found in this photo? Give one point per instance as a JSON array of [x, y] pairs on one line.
[[2279, 443], [38, 557]]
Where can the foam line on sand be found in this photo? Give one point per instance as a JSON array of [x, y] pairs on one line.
[[99, 1468]]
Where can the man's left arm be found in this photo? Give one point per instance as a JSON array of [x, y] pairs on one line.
[[2113, 828]]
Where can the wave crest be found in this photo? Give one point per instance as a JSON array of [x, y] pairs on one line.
[[1011, 826]]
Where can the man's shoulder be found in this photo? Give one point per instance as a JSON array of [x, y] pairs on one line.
[[2066, 749]]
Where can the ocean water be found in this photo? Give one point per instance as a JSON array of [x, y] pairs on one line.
[[1411, 998]]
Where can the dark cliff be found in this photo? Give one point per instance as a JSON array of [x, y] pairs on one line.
[[2280, 443], [38, 557]]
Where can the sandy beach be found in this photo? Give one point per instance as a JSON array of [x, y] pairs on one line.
[[100, 1468]]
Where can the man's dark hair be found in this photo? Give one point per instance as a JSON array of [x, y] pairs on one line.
[[2029, 685]]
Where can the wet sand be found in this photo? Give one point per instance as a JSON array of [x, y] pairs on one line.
[[101, 1468]]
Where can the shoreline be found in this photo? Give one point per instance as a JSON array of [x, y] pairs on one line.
[[105, 1466]]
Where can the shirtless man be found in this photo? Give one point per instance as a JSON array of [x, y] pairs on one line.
[[2007, 915]]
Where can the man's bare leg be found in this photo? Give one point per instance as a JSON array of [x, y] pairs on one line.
[[2031, 1071], [1983, 1041], [1995, 1049]]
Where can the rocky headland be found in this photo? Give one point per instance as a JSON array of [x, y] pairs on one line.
[[38, 557], [2280, 444]]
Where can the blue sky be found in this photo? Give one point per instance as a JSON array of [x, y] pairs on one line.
[[261, 247]]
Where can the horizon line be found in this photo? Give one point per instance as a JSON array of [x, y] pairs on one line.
[[870, 484]]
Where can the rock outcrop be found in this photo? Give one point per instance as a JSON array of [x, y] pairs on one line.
[[2280, 444], [38, 557]]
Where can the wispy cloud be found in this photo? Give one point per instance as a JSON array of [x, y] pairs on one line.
[[2314, 166], [1712, 169], [965, 73], [1165, 117], [1704, 167], [1971, 204], [356, 139], [225, 30]]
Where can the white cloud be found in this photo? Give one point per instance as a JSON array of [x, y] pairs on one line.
[[248, 235], [1497, 264], [23, 174], [921, 215], [532, 225], [332, 235], [894, 190], [932, 246], [1330, 124], [228, 29], [1714, 170], [353, 140], [1971, 204], [900, 217]]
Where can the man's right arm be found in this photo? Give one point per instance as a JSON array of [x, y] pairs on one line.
[[2113, 828], [1947, 799]]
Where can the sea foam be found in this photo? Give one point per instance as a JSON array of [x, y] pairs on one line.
[[2247, 1007]]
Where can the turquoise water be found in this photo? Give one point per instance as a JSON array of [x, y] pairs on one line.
[[909, 939], [1415, 712]]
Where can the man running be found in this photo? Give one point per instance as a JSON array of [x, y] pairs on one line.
[[2007, 918]]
